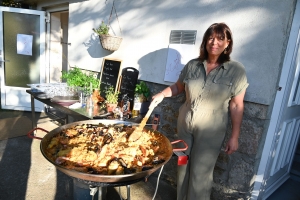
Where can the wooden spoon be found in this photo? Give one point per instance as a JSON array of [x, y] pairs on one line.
[[136, 134]]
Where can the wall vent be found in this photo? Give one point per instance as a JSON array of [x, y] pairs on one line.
[[183, 37]]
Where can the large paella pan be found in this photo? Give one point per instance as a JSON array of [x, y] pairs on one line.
[[159, 151]]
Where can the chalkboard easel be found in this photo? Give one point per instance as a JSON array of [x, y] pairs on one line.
[[129, 79], [110, 74]]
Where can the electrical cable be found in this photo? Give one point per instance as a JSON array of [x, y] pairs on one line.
[[157, 182]]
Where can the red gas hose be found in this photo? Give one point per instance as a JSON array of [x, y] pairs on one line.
[[30, 135]]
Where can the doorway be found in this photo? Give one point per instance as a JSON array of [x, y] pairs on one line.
[[58, 45], [284, 128], [22, 56]]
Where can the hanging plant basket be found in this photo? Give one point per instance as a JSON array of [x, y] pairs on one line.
[[110, 43]]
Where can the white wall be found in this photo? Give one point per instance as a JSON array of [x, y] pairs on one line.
[[260, 30]]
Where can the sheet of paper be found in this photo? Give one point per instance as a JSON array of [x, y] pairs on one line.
[[24, 44], [178, 56]]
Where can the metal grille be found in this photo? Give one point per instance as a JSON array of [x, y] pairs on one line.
[[183, 37]]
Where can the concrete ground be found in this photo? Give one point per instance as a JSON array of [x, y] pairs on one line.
[[26, 174]]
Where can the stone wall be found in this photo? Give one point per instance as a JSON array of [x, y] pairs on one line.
[[233, 174]]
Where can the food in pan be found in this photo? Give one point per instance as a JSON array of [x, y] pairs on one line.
[[105, 149]]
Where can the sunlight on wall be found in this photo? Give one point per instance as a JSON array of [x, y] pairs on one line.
[[146, 28]]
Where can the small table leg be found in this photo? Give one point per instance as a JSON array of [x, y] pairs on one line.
[[66, 119], [128, 192], [102, 193], [33, 112]]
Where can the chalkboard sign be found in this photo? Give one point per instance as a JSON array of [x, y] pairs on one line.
[[110, 74], [129, 79]]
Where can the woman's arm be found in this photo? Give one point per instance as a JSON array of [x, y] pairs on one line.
[[172, 90], [236, 107]]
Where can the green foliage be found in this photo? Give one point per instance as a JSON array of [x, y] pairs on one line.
[[11, 3], [111, 96], [76, 77], [102, 29], [142, 89]]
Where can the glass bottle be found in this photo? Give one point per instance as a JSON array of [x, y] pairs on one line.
[[136, 106]]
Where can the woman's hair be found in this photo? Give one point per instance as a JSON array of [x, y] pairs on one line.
[[220, 29]]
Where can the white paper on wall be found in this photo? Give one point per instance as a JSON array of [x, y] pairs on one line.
[[178, 56], [24, 44]]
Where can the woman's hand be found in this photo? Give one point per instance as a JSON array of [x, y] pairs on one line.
[[156, 99], [172, 90], [232, 145]]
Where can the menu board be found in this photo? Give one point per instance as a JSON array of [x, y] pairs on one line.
[[129, 79], [110, 74]]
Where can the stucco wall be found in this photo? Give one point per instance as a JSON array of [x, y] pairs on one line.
[[260, 30]]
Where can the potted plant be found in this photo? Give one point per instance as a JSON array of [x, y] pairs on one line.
[[142, 90], [76, 77], [85, 82], [108, 42], [141, 97], [111, 99], [102, 29]]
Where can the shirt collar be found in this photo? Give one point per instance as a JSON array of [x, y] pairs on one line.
[[223, 65]]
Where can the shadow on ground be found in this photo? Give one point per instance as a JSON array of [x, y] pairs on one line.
[[26, 174]]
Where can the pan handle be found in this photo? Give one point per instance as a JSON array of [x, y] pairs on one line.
[[182, 149], [30, 135]]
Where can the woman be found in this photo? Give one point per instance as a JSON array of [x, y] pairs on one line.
[[212, 83]]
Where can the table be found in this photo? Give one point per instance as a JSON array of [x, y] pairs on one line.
[[83, 113]]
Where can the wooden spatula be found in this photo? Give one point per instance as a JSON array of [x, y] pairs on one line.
[[136, 134]]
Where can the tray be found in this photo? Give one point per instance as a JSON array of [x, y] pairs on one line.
[[65, 100]]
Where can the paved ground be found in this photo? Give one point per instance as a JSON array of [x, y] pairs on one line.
[[26, 174]]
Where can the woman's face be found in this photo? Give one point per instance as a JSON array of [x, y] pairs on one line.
[[216, 45]]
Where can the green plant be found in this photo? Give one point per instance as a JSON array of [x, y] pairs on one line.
[[142, 90], [102, 29], [111, 96], [76, 77]]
